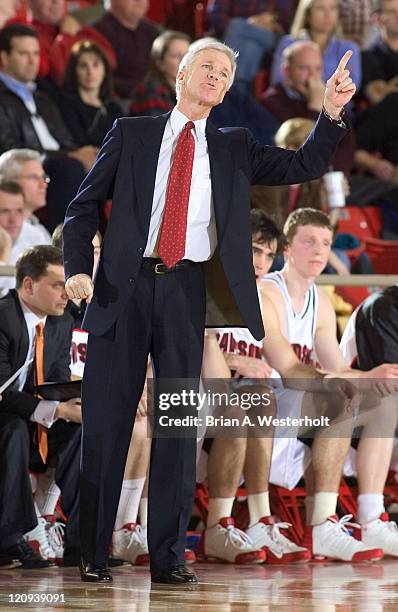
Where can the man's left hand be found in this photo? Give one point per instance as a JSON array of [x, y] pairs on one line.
[[339, 88]]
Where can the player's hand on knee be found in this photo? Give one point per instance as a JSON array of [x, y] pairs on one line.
[[80, 287], [386, 379]]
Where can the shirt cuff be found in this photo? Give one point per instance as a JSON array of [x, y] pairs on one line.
[[45, 413], [340, 122]]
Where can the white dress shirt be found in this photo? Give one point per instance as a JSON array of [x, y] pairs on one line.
[[47, 141], [29, 236], [45, 409], [201, 238]]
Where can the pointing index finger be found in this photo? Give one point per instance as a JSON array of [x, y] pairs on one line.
[[344, 61]]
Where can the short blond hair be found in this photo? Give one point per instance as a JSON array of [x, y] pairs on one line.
[[294, 132], [302, 217]]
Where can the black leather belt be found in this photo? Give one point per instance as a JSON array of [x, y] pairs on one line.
[[157, 266]]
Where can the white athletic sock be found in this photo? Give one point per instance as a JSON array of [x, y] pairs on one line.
[[258, 506], [143, 512], [219, 507], [47, 492], [370, 506], [324, 506], [129, 501], [309, 509]]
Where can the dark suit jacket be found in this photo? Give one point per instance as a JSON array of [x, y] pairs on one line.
[[16, 127], [125, 171], [14, 344]]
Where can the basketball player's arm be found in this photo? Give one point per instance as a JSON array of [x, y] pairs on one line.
[[279, 352], [329, 353], [214, 364]]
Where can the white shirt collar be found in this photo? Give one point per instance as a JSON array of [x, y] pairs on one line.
[[30, 317], [178, 120]]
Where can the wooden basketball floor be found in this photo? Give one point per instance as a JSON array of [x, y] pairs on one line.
[[332, 587]]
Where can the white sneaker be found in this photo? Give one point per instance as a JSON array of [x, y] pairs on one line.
[[224, 542], [38, 539], [279, 549], [332, 539], [56, 531], [380, 533], [130, 544]]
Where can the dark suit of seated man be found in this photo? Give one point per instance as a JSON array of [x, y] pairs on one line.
[[40, 297]]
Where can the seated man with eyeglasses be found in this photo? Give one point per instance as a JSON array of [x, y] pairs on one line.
[[25, 167]]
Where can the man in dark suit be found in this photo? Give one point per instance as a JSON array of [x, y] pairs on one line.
[[140, 305], [39, 298], [30, 119]]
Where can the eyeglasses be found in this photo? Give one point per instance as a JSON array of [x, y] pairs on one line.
[[35, 177]]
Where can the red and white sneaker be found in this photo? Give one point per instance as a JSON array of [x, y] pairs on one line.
[[56, 536], [38, 540], [224, 542], [380, 533], [279, 549], [130, 544], [332, 540]]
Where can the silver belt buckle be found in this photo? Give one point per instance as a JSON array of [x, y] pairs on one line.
[[160, 268]]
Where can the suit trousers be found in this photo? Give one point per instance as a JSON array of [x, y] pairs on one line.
[[165, 318], [17, 512]]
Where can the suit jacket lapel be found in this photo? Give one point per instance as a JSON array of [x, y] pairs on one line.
[[146, 148], [21, 332], [221, 171]]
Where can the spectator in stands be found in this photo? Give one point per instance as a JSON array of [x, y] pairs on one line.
[[157, 93], [377, 154], [57, 32], [380, 59], [251, 28], [299, 94], [30, 119], [318, 20], [8, 8], [87, 106], [25, 167], [260, 13], [131, 35], [378, 140], [6, 282], [33, 432], [356, 20], [12, 219]]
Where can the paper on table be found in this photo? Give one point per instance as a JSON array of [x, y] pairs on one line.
[[10, 380]]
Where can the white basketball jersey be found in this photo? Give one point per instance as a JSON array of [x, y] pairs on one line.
[[300, 327], [348, 342], [238, 340]]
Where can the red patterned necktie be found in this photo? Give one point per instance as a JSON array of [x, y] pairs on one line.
[[174, 227]]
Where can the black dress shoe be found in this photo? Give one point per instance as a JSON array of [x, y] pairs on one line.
[[23, 556], [174, 575], [95, 572]]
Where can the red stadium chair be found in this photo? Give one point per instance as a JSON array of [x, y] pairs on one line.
[[383, 255]]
